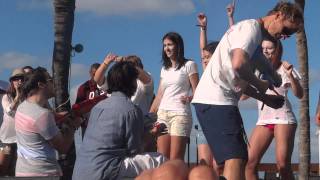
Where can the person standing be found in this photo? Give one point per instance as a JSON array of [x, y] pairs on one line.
[[8, 141], [38, 137], [228, 75], [88, 90], [178, 77], [206, 51], [279, 124]]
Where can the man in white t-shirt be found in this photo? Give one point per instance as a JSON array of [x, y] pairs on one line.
[[229, 74]]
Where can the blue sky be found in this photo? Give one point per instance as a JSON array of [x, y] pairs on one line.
[[136, 27]]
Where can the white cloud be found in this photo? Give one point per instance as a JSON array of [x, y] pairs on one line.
[[118, 7], [133, 7], [11, 60]]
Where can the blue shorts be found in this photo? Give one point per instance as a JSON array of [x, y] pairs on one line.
[[223, 128]]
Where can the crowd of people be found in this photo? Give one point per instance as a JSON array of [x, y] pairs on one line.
[[134, 133]]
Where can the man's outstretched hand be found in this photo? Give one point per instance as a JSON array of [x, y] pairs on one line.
[[274, 101]]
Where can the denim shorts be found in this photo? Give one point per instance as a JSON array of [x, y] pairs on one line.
[[223, 128]]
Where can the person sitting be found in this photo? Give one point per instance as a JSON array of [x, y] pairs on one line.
[[113, 141]]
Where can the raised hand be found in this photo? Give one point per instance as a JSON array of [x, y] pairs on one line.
[[230, 8], [288, 68], [202, 20], [109, 58]]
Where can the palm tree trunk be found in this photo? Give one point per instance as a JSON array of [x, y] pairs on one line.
[[304, 137], [63, 27]]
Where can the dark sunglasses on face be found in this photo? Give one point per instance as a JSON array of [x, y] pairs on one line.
[[287, 31], [17, 78]]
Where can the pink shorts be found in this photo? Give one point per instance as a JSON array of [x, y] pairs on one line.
[[270, 126]]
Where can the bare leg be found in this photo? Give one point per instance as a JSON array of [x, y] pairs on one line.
[[260, 140], [163, 145], [234, 169], [171, 170], [284, 136], [178, 147], [205, 155], [203, 172]]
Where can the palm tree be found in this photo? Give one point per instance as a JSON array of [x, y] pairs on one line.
[[304, 137], [63, 27]]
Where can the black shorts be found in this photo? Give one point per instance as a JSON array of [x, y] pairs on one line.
[[223, 127]]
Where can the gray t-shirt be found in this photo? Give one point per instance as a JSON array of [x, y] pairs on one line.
[[114, 132], [35, 125]]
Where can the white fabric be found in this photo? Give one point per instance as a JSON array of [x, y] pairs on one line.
[[283, 115], [142, 97], [176, 84], [133, 166], [7, 130], [219, 84]]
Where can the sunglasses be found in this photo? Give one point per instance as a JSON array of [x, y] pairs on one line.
[[17, 78], [287, 31]]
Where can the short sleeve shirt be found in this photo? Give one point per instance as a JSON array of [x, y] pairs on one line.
[[35, 125], [219, 84], [176, 84]]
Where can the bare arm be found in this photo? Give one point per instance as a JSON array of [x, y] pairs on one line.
[[202, 21], [242, 67], [143, 76], [273, 101], [230, 12], [194, 79], [295, 84], [156, 102], [99, 75]]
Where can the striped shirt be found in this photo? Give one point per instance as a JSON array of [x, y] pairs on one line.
[[35, 125]]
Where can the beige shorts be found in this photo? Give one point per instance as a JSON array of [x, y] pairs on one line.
[[178, 124]]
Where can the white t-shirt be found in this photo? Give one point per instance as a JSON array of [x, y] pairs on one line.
[[7, 130], [219, 84], [142, 97], [176, 83], [283, 115]]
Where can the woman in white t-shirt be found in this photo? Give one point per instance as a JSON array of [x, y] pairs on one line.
[[172, 103], [279, 124]]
